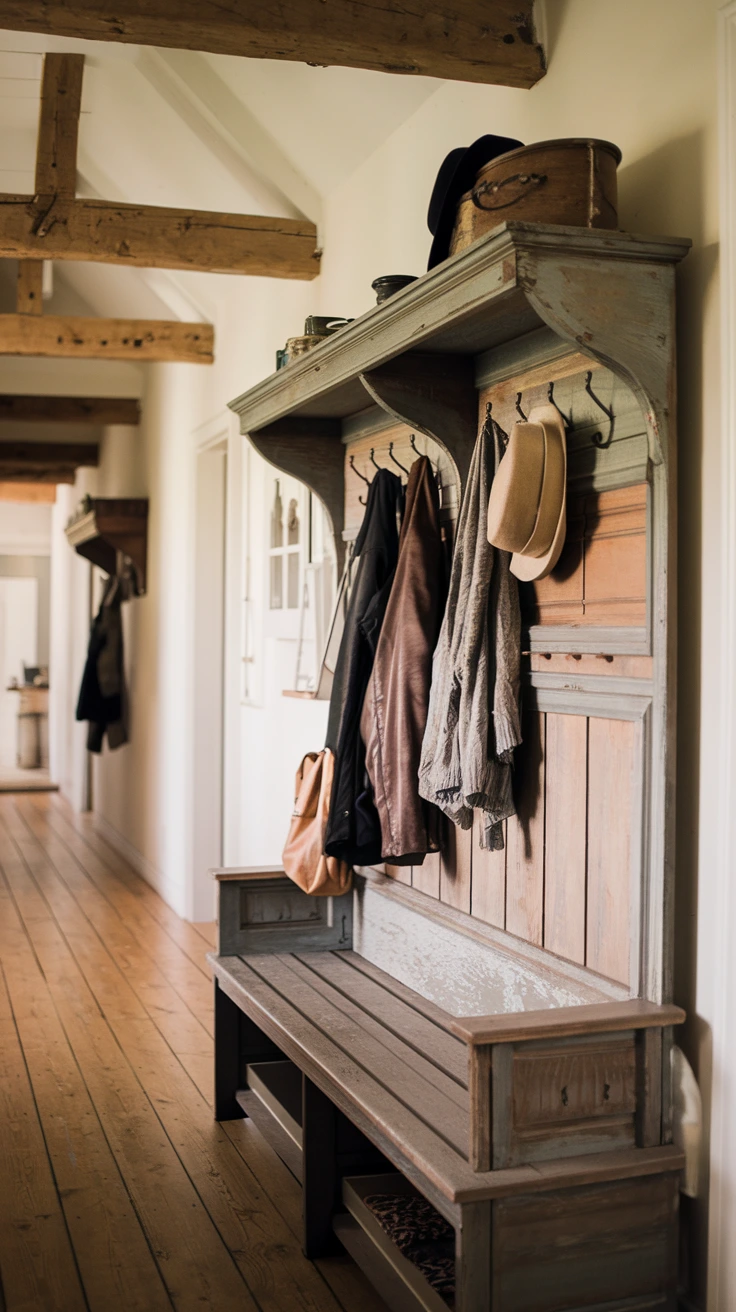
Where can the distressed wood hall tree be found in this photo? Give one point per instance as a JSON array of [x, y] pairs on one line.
[[493, 1030]]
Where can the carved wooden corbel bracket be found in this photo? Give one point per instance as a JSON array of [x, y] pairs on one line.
[[620, 312], [310, 450], [434, 394]]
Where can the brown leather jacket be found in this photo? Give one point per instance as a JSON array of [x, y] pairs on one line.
[[394, 713]]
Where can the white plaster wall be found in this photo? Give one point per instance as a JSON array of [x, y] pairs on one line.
[[25, 529]]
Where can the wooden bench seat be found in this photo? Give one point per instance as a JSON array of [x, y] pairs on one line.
[[504, 1122], [389, 1060]]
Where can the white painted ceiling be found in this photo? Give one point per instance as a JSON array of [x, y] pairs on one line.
[[193, 130]]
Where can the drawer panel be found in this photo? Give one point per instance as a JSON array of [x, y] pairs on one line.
[[569, 1084]]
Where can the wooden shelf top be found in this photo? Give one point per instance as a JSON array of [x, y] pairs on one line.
[[471, 303], [111, 525]]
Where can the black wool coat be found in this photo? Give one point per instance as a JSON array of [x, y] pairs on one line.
[[102, 694], [353, 826]]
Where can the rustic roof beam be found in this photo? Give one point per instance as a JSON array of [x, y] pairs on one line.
[[45, 462], [492, 41], [150, 340], [29, 287], [99, 410], [58, 125], [149, 236]]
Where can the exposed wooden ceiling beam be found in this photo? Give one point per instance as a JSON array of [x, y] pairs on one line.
[[45, 462], [489, 41], [58, 125], [52, 224], [148, 340], [70, 409], [29, 289], [19, 490], [56, 157], [147, 236]]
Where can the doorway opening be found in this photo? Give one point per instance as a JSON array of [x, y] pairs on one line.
[[25, 575]]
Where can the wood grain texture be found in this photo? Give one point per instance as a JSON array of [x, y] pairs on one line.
[[649, 1087], [58, 125], [29, 287], [566, 788], [216, 1215], [481, 1107], [70, 409], [495, 44], [473, 1254], [106, 339], [601, 575], [40, 493], [488, 878], [23, 460], [455, 866], [525, 833], [595, 1245], [612, 749], [427, 876], [435, 394], [566, 1022], [52, 227], [37, 1258]]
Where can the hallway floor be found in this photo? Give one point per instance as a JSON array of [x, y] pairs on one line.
[[117, 1188]]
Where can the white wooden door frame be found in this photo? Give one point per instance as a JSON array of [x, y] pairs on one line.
[[722, 1202], [210, 451]]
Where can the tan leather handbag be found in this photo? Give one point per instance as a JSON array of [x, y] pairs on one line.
[[304, 858]]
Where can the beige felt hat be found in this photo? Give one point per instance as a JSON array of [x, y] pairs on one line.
[[527, 510]]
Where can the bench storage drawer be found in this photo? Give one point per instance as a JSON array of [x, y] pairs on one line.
[[399, 1280]]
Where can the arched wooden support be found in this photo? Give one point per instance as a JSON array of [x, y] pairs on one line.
[[619, 311], [310, 450], [434, 394]]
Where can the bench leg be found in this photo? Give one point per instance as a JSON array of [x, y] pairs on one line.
[[319, 1172], [227, 1057], [473, 1258]]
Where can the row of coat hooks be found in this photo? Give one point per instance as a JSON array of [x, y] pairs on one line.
[[597, 438], [391, 456]]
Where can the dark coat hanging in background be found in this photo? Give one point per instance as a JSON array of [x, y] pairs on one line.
[[353, 828], [102, 694], [395, 708]]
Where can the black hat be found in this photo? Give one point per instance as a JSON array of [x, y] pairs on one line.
[[456, 176]]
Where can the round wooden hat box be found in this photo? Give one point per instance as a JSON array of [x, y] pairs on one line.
[[570, 181]]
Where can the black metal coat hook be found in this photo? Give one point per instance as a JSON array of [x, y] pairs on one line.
[[363, 478], [373, 458], [551, 398], [519, 410], [393, 457], [598, 439], [495, 424]]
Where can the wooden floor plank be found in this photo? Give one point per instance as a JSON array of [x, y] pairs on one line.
[[255, 1234], [116, 1265], [138, 1024], [181, 932], [187, 1031], [78, 864], [37, 1261], [196, 1264]]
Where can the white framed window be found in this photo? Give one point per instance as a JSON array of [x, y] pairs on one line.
[[288, 573]]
